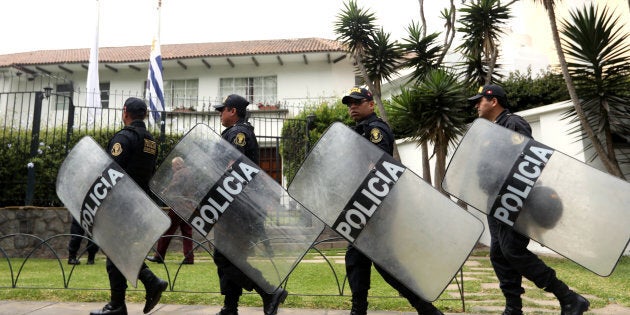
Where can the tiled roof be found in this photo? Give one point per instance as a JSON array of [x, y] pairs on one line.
[[174, 51]]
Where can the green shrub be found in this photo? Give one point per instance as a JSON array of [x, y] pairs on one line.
[[51, 151], [297, 141]]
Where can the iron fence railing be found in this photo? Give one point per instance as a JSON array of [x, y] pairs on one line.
[[14, 263], [37, 131]]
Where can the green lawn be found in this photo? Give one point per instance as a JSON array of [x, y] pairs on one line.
[[312, 284]]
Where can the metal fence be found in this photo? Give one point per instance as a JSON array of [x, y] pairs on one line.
[[38, 127], [16, 271]]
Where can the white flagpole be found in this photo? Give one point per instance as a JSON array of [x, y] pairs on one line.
[[93, 95]]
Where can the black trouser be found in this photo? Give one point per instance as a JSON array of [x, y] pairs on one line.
[[232, 280], [512, 260], [118, 282], [75, 241], [359, 268]]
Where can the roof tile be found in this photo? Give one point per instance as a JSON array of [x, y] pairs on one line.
[[174, 51]]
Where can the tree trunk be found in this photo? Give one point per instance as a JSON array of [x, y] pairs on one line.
[[450, 32], [426, 167], [441, 148], [611, 167], [422, 19]]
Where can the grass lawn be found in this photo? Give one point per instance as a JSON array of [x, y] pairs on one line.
[[313, 284]]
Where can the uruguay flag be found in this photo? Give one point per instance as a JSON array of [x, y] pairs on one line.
[[155, 84]]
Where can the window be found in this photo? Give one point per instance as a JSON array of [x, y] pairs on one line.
[[63, 92], [180, 93], [255, 89], [104, 94]]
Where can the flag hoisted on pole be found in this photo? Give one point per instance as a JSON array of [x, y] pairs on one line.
[[155, 84], [92, 85]]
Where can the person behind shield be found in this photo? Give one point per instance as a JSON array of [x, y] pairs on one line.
[[232, 280], [358, 266], [135, 150], [75, 243], [181, 175], [509, 255]]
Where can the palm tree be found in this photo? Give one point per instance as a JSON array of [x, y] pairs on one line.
[[482, 22], [599, 63], [355, 28], [433, 111], [579, 112], [422, 55], [382, 60]]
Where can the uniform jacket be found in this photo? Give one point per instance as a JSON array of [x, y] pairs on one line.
[[376, 131], [135, 150]]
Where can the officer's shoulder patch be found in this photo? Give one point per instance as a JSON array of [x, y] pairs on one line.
[[240, 139], [150, 147], [117, 149], [376, 135]]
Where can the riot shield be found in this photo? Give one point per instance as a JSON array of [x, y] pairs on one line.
[[404, 225], [240, 209], [113, 210], [574, 209]]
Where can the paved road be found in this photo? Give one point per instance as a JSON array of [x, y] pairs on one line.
[[64, 308]]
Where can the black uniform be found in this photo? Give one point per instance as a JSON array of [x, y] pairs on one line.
[[75, 241], [359, 266], [231, 279], [509, 255], [135, 150]]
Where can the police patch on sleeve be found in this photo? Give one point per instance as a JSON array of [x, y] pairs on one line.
[[376, 135], [117, 149], [239, 140]]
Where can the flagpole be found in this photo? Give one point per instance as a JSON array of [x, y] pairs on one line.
[[155, 83], [92, 85]]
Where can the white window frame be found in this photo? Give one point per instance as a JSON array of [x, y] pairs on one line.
[[257, 90]]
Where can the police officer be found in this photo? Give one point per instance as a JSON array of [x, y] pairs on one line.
[[358, 266], [232, 280], [135, 150], [509, 255]]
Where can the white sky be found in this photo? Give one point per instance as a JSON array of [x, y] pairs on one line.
[[28, 25]]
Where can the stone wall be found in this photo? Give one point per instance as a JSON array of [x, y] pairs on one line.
[[38, 224]]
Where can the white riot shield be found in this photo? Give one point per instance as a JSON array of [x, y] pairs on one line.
[[574, 209], [240, 209], [113, 210], [389, 213]]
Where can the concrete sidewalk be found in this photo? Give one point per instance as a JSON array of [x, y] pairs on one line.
[[65, 308]]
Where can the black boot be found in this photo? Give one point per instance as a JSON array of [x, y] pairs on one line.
[[359, 308], [228, 311], [359, 303], [574, 304], [426, 308], [111, 309], [272, 301], [153, 286], [72, 260], [230, 305], [511, 310], [571, 303], [90, 260]]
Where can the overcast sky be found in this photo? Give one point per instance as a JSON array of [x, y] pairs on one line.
[[28, 25]]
